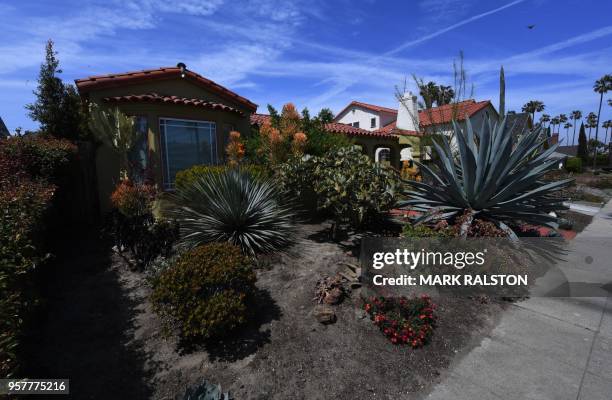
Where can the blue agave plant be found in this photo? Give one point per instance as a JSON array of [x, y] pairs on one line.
[[488, 177]]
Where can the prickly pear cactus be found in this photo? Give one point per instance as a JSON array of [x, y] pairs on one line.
[[206, 391]]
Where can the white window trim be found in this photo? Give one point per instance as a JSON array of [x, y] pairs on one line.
[[378, 151], [166, 174]]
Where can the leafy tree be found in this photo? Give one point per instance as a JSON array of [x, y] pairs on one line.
[[57, 107], [544, 118], [274, 117], [325, 116], [532, 107], [575, 115], [601, 86], [446, 94], [582, 151]]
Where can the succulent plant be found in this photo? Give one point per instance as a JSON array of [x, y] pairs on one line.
[[206, 391], [489, 179], [232, 206]]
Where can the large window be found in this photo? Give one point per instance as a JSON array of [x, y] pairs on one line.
[[184, 144]]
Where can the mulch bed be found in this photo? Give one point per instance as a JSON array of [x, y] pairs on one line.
[[283, 353]]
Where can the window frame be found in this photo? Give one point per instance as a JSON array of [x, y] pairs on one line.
[[163, 138], [373, 122]]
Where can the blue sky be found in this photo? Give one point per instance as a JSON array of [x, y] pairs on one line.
[[318, 53]]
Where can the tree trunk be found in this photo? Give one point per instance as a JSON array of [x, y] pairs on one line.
[[597, 131], [574, 136]]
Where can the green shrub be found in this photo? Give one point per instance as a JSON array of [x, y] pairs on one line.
[[296, 179], [423, 231], [186, 177], [134, 227], [40, 157], [347, 184], [573, 164], [205, 293], [232, 206], [28, 167]]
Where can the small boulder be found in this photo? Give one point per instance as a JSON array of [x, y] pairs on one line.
[[324, 314]]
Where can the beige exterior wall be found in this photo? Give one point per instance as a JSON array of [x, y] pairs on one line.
[[107, 161]]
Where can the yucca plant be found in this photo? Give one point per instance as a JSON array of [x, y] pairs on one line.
[[232, 206], [488, 178]]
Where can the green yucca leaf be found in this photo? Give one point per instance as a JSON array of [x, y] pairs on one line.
[[232, 206]]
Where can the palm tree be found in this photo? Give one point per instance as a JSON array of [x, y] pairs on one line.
[[554, 121], [532, 107], [562, 120], [601, 86], [575, 115], [446, 94], [567, 126], [544, 118], [429, 92], [591, 122], [607, 125]]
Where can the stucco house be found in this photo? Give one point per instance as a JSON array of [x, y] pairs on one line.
[[407, 122], [182, 118]]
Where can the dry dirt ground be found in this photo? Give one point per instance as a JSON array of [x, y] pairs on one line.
[[100, 332]]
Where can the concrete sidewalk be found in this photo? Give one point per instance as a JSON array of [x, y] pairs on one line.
[[548, 348]]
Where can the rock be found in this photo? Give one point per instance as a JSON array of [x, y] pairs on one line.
[[324, 314]]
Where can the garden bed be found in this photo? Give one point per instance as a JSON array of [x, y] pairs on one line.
[[283, 352]]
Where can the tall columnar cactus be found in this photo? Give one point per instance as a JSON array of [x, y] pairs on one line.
[[489, 179], [115, 129]]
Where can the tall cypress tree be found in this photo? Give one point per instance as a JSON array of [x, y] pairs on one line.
[[57, 107], [582, 152]]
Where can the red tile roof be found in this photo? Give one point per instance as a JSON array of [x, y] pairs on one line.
[[127, 78], [336, 127], [372, 107], [157, 98], [391, 129], [434, 115], [333, 127], [258, 119], [446, 113]]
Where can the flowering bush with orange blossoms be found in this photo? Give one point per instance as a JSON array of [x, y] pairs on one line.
[[234, 149], [271, 143], [299, 143], [290, 122]]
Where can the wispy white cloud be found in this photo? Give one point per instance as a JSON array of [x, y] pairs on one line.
[[437, 33]]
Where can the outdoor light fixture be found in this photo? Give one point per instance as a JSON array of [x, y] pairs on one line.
[[183, 68]]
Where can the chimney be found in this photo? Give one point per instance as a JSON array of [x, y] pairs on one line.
[[407, 113]]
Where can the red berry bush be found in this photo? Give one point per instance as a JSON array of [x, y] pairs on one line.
[[403, 320]]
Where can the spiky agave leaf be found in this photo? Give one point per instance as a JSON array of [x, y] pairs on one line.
[[490, 178], [235, 207]]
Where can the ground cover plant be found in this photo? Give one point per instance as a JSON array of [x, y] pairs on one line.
[[232, 206], [488, 179], [204, 293], [403, 320]]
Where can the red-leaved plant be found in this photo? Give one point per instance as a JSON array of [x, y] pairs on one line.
[[403, 320]]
